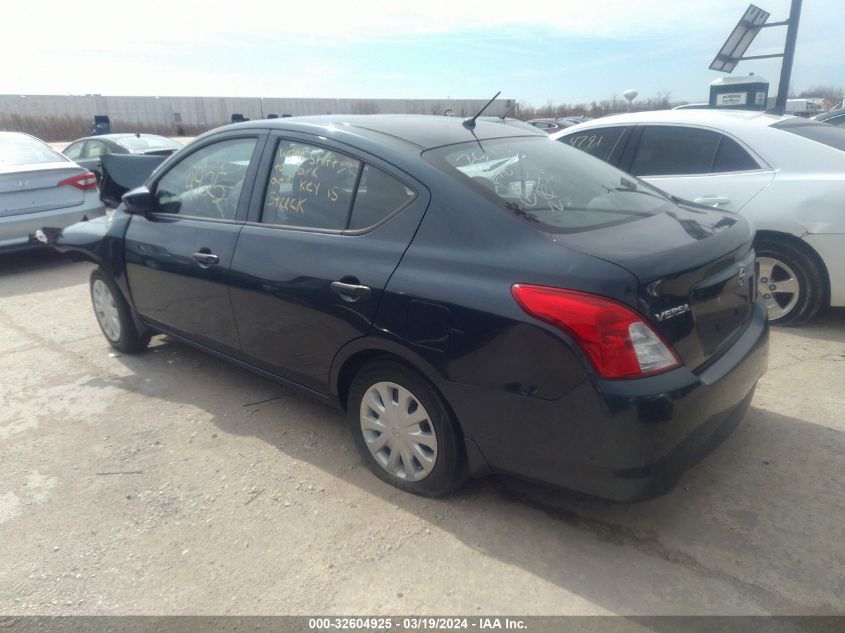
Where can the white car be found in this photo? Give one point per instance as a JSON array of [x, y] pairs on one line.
[[785, 174]]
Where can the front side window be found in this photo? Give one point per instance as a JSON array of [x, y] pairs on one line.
[[208, 183], [666, 150], [598, 142], [548, 183], [310, 187]]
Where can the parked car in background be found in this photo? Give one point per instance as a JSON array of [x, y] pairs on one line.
[[834, 117], [785, 174], [88, 152], [524, 125], [476, 297], [39, 186]]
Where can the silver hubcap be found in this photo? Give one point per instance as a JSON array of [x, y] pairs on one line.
[[778, 284], [398, 431], [106, 310]]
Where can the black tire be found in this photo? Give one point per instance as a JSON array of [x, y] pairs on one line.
[[812, 285], [128, 339], [449, 470]]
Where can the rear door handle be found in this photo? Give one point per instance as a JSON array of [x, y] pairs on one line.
[[712, 201], [349, 291], [205, 259]]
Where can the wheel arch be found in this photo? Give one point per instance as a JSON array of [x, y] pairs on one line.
[[803, 246]]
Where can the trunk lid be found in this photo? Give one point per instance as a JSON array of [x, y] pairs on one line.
[[32, 188], [695, 272]]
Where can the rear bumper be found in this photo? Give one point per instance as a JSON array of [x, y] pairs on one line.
[[631, 439], [17, 231]]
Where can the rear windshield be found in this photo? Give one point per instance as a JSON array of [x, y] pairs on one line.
[[149, 141], [25, 151], [552, 184], [815, 130]]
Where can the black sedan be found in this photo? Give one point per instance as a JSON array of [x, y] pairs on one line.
[[88, 152], [477, 299]]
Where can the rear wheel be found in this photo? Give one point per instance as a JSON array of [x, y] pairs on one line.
[[403, 430], [790, 280], [113, 315]]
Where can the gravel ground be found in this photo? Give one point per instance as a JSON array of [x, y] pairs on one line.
[[173, 483]]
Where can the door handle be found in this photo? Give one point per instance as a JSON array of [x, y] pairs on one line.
[[205, 259], [712, 201], [349, 291]]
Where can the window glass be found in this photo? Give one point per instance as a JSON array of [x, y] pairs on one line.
[[146, 142], [731, 157], [543, 125], [74, 151], [310, 187], [379, 195], [95, 149], [208, 183], [548, 183], [828, 134], [668, 150], [19, 149], [598, 142]]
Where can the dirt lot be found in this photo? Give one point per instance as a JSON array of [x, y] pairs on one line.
[[173, 483]]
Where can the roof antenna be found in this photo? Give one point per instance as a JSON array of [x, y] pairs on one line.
[[470, 123]]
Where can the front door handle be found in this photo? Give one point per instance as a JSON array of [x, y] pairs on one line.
[[350, 291], [712, 201], [205, 258]]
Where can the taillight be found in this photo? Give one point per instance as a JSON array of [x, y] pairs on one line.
[[617, 340], [84, 181]]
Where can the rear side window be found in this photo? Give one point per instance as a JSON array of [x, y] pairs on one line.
[[379, 195], [310, 187], [666, 150], [598, 142], [830, 135], [74, 151], [207, 183], [731, 157], [22, 150]]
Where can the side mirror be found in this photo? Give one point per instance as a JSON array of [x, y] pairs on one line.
[[139, 201]]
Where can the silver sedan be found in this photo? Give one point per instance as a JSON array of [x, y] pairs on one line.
[[40, 187]]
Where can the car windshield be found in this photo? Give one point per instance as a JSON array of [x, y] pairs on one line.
[[26, 151], [543, 181], [814, 130], [145, 142]]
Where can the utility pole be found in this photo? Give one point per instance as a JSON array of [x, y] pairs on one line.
[[788, 56]]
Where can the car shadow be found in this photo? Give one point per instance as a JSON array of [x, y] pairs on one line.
[[760, 520], [827, 326], [23, 272]]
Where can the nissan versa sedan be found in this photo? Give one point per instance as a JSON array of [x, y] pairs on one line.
[[39, 186], [477, 299], [786, 174]]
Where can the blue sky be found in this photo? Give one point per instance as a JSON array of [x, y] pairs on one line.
[[555, 51]]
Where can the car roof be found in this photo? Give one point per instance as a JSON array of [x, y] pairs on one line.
[[725, 119], [420, 130], [827, 115], [116, 136]]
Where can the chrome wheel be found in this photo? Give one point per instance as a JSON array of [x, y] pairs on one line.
[[778, 284], [398, 431], [106, 310]]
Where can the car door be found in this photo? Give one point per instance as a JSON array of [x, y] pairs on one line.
[[327, 228], [178, 256], [697, 164]]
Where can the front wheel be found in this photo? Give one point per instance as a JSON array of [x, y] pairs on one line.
[[113, 315], [790, 281], [403, 430]]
